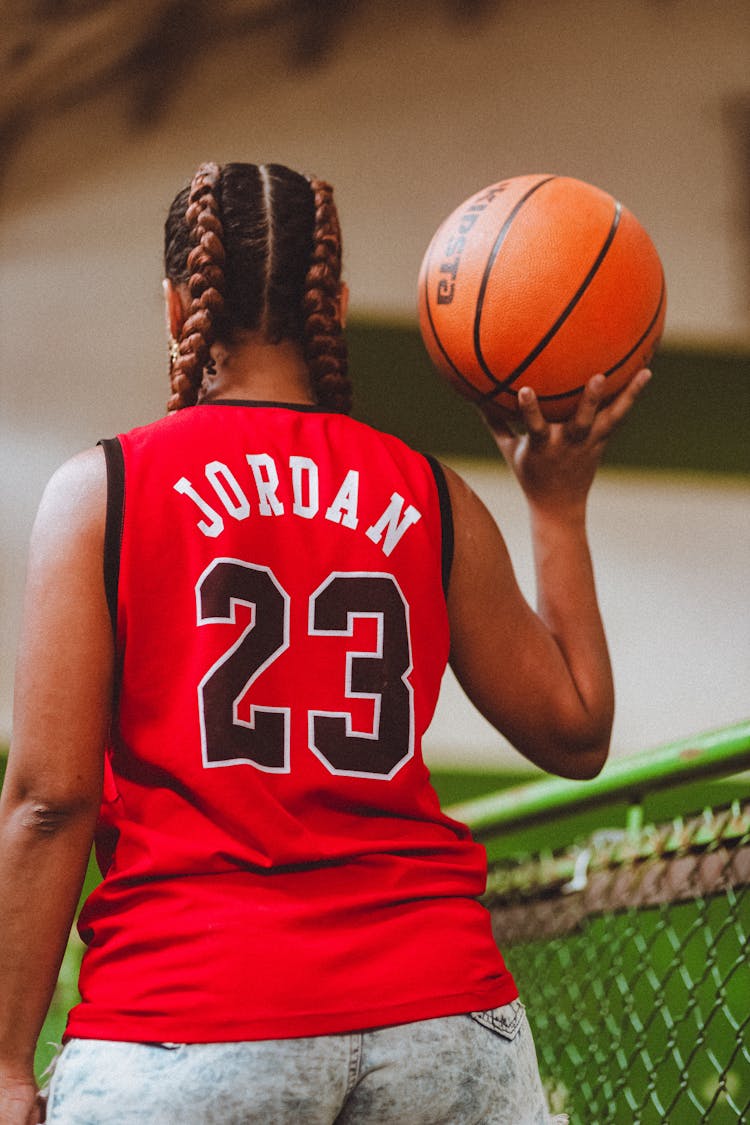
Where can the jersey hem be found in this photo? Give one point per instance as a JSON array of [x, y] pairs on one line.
[[150, 1029]]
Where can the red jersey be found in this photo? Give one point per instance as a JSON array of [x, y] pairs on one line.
[[275, 860]]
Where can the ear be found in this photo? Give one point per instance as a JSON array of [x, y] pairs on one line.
[[175, 308], [343, 303]]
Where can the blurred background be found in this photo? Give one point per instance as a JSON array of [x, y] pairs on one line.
[[107, 106]]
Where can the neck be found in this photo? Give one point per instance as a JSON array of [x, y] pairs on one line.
[[250, 368]]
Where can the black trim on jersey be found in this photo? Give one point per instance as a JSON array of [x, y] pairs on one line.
[[446, 513], [305, 407], [113, 526]]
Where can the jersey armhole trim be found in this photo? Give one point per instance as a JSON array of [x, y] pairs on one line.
[[113, 527], [446, 518]]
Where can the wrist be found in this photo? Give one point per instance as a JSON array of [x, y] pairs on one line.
[[16, 1068], [16, 1075], [567, 516]]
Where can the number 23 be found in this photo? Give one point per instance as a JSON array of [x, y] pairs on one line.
[[381, 675]]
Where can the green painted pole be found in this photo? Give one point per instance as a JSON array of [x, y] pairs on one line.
[[715, 754]]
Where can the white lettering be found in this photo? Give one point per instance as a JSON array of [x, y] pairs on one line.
[[392, 523], [269, 503], [216, 526], [386, 532], [304, 466], [345, 503], [237, 504]]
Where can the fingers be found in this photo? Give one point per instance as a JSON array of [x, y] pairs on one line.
[[613, 415], [536, 424], [592, 421], [579, 426]]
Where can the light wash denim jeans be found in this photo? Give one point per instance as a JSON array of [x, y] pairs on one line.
[[477, 1069]]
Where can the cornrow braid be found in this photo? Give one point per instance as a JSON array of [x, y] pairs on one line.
[[206, 286], [323, 341]]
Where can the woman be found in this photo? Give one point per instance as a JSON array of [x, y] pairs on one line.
[[236, 624]]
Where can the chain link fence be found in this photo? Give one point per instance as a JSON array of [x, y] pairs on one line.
[[630, 951]]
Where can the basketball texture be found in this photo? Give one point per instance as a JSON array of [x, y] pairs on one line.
[[540, 281]]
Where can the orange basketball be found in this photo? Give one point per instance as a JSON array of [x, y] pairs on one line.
[[540, 281]]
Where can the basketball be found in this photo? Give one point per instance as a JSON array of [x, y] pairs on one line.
[[540, 281]]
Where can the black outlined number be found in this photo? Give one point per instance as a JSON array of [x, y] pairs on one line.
[[263, 741], [380, 675]]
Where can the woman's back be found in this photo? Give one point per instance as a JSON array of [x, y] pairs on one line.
[[282, 631]]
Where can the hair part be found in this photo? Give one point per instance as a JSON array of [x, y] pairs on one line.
[[259, 248]]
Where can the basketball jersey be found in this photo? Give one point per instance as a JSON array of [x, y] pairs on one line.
[[275, 860]]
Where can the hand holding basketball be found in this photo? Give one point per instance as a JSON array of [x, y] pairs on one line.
[[555, 462], [540, 281]]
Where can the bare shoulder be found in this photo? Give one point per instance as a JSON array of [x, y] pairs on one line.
[[80, 479], [75, 497], [70, 522], [479, 544], [461, 494], [471, 515]]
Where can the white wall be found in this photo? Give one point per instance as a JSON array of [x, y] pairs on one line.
[[410, 116], [671, 558]]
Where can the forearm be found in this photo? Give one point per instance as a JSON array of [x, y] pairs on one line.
[[43, 857], [567, 604]]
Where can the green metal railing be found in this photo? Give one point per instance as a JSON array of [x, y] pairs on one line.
[[630, 947], [717, 754]]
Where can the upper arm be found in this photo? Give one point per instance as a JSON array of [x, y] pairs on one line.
[[490, 621], [65, 662], [502, 654]]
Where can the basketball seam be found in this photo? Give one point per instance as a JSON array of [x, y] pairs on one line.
[[610, 370], [537, 350], [435, 336], [487, 269], [475, 391]]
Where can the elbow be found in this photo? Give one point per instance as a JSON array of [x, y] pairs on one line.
[[565, 738], [45, 818], [585, 765], [576, 755], [581, 755], [583, 739]]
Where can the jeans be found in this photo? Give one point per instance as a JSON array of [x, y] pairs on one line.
[[477, 1069]]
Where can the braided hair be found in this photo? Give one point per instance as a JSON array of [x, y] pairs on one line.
[[259, 248]]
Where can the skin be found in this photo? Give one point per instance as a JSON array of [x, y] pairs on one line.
[[541, 677]]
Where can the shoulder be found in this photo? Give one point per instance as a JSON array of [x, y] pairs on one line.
[[467, 509], [78, 481], [74, 501], [482, 567]]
